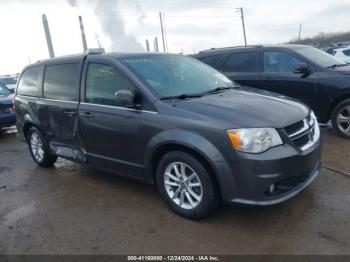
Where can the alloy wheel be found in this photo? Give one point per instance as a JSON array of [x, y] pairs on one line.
[[183, 185], [343, 119], [37, 147]]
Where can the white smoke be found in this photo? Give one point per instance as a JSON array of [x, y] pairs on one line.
[[108, 13]]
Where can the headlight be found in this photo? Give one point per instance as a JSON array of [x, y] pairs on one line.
[[254, 140]]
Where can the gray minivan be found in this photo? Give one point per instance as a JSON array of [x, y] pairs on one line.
[[172, 121]]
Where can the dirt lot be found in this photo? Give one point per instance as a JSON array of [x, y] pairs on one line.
[[77, 210]]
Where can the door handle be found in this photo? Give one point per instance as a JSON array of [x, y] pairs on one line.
[[70, 112], [86, 115]]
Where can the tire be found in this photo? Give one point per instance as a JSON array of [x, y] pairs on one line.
[[341, 119], [203, 186], [42, 155]]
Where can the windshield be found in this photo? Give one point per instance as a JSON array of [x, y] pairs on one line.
[[319, 57], [174, 75], [4, 90], [8, 81]]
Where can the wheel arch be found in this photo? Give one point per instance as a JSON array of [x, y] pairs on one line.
[[336, 101], [195, 145], [28, 123]]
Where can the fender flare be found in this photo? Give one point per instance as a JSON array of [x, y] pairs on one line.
[[207, 150]]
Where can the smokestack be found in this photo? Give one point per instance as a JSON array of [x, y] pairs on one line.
[[155, 42], [48, 36], [83, 38], [147, 45]]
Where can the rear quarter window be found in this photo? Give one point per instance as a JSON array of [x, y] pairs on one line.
[[61, 82], [30, 82], [242, 62], [212, 60]]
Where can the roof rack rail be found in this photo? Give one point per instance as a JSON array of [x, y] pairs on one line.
[[228, 47], [95, 51]]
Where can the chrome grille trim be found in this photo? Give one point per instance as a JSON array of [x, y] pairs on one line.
[[310, 129]]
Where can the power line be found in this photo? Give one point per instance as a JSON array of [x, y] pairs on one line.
[[170, 16], [184, 4]]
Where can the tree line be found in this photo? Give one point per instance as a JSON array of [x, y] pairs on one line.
[[323, 39]]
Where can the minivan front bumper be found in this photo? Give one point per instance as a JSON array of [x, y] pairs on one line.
[[274, 176]]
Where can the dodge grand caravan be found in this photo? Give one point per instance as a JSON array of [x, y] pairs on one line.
[[172, 121]]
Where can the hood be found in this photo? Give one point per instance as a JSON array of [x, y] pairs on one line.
[[343, 69], [242, 108], [12, 86], [6, 99]]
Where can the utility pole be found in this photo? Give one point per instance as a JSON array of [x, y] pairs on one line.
[[48, 36], [299, 37], [243, 25], [155, 43], [162, 29], [82, 31], [147, 45]]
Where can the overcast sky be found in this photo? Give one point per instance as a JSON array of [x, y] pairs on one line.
[[123, 25]]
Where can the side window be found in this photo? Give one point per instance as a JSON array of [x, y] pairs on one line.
[[242, 62], [30, 81], [102, 82], [61, 82], [212, 60], [278, 62], [347, 52]]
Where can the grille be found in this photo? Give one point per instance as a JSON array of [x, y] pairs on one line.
[[304, 133]]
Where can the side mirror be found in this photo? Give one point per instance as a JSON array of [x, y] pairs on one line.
[[12, 91], [303, 69], [125, 98]]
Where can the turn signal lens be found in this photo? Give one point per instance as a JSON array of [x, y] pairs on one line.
[[235, 139]]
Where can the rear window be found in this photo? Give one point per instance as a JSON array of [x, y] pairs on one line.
[[61, 82], [30, 81], [212, 60], [242, 62]]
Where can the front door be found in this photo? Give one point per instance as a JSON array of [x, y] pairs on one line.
[[277, 76], [108, 131]]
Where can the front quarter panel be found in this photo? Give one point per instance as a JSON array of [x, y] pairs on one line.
[[214, 155]]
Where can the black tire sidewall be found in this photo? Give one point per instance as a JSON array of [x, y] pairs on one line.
[[209, 199], [48, 158], [334, 118]]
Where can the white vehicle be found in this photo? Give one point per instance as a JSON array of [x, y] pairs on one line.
[[9, 81], [342, 53]]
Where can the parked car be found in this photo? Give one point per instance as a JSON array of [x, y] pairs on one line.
[[7, 115], [9, 81], [169, 120], [302, 72], [342, 53]]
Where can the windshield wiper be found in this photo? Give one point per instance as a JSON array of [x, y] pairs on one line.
[[182, 96], [219, 89], [337, 65]]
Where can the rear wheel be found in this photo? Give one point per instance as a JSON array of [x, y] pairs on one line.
[[186, 186], [341, 119], [39, 148]]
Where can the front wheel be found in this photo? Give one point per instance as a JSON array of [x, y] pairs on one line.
[[341, 119], [39, 148], [186, 186]]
